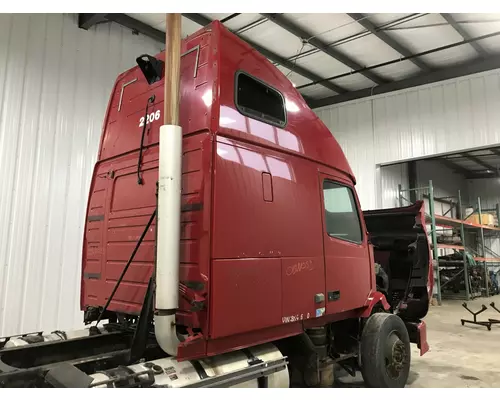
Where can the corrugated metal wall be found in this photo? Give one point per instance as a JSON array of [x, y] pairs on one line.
[[390, 177], [352, 126], [445, 182], [487, 189], [55, 80], [434, 119]]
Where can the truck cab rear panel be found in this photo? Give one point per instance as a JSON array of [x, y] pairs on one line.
[[255, 240]]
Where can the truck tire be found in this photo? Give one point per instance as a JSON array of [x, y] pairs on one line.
[[385, 352]]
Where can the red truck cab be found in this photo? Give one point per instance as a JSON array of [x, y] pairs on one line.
[[273, 240]]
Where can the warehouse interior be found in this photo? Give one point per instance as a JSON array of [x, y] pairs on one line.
[[461, 191], [411, 99]]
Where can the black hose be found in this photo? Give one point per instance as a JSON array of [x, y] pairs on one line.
[[126, 266], [139, 161]]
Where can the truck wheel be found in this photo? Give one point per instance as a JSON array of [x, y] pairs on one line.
[[385, 352]]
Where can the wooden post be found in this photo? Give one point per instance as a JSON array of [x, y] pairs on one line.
[[172, 69]]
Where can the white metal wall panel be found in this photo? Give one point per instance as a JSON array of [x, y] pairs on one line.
[[445, 182], [352, 127], [390, 177], [55, 81], [487, 189], [439, 118]]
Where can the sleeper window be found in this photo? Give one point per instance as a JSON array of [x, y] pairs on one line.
[[258, 100], [341, 216]]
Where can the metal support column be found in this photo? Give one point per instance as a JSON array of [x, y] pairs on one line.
[[412, 180], [435, 251], [462, 234], [400, 195], [483, 251]]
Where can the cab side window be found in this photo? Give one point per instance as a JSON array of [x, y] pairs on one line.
[[341, 215], [259, 101]]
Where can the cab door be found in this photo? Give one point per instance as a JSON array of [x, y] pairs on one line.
[[345, 246]]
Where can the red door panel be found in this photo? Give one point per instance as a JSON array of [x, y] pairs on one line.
[[246, 295], [303, 288], [346, 254]]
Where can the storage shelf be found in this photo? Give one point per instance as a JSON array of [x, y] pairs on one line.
[[450, 246], [487, 260], [447, 222], [438, 224], [472, 225]]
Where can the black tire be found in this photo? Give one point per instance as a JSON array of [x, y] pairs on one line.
[[385, 352]]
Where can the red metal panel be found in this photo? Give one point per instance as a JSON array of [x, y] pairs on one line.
[[138, 272], [247, 339], [125, 206], [302, 278], [246, 295], [246, 225], [134, 198], [92, 289]]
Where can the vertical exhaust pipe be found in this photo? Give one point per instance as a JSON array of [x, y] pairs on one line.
[[169, 196]]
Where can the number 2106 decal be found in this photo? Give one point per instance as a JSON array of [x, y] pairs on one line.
[[150, 118]]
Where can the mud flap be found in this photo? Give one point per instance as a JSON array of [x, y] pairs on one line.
[[418, 335]]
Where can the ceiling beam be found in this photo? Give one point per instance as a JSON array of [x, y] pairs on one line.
[[462, 32], [466, 173], [307, 37], [292, 66], [399, 59], [479, 175], [137, 26], [473, 67], [480, 162], [455, 167], [87, 21], [229, 18], [197, 18], [307, 99], [384, 37]]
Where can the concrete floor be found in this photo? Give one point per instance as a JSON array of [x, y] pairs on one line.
[[459, 356]]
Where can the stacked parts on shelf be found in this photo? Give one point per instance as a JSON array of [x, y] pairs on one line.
[[486, 218]]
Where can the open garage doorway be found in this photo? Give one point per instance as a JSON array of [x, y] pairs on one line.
[[461, 192]]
